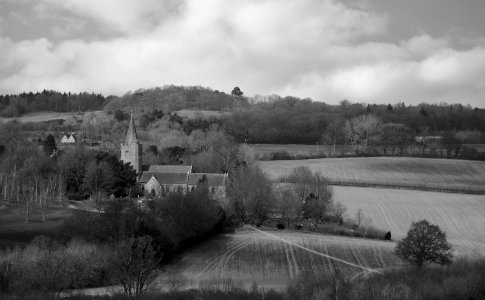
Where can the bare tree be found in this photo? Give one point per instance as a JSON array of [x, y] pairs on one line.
[[359, 217], [301, 179], [338, 211], [334, 133], [367, 221], [304, 183], [289, 206], [98, 179], [364, 130], [251, 194], [134, 264]]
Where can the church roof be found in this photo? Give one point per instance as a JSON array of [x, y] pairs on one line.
[[169, 169], [131, 136], [144, 177], [171, 178], [212, 179]]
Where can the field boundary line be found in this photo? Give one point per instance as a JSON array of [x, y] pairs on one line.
[[313, 251], [471, 191]]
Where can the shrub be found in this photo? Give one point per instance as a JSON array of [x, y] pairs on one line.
[[46, 266]]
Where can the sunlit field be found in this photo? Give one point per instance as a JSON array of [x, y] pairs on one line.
[[461, 216], [459, 175]]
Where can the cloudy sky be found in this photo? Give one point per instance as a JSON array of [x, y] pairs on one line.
[[378, 51]]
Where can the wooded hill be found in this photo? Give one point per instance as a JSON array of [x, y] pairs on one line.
[[271, 119]]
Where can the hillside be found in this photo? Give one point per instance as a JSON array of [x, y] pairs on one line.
[[173, 98]]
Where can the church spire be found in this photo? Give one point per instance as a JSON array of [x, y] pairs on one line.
[[131, 134]]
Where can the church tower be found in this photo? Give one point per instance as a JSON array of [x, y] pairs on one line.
[[131, 148]]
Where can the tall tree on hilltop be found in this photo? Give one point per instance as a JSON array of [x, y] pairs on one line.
[[237, 92]]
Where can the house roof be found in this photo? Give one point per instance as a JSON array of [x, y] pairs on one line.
[[145, 176], [68, 136], [170, 178], [212, 179], [169, 169]]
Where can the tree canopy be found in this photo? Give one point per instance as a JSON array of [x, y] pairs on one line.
[[423, 243]]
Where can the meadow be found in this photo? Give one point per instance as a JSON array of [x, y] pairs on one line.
[[461, 216], [293, 149], [14, 231], [248, 256], [406, 172], [73, 117]]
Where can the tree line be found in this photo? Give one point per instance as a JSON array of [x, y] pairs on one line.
[[48, 100], [292, 120], [271, 119]]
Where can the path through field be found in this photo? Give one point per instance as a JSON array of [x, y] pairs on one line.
[[248, 256], [461, 216]]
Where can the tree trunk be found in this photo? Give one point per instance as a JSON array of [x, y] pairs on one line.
[[27, 206], [43, 207], [60, 188], [334, 145]]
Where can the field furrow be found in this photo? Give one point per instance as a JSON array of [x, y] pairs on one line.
[[272, 262], [462, 217]]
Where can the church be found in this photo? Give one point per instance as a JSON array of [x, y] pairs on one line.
[[163, 179]]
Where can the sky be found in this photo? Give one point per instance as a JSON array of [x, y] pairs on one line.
[[373, 51]]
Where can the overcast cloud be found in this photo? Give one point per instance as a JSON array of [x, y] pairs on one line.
[[323, 49]]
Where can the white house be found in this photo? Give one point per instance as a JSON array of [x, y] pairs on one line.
[[68, 139]]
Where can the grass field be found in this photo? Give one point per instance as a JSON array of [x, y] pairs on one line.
[[461, 216], [399, 171], [248, 256], [293, 149], [15, 232], [68, 117]]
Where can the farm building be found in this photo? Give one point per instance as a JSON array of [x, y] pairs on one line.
[[163, 179], [68, 138]]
